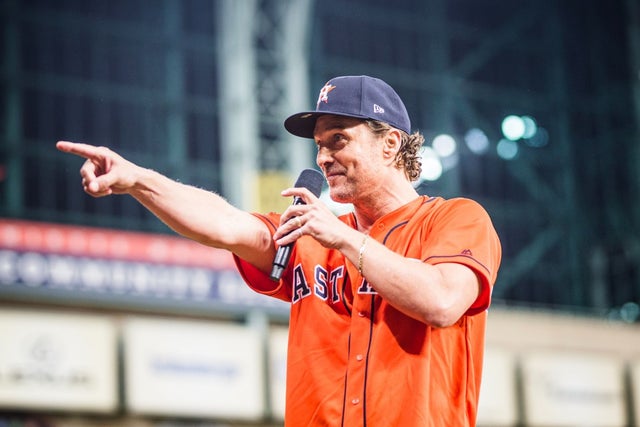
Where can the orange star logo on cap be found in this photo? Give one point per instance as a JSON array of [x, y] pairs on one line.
[[324, 94]]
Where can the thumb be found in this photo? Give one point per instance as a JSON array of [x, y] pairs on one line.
[[101, 185], [94, 186]]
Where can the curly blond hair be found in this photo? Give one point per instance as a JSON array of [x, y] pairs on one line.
[[408, 157]]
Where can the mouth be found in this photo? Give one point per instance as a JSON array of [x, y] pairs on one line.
[[332, 174], [331, 177]]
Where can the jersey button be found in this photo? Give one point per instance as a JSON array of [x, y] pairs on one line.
[[359, 357], [362, 314], [355, 401]]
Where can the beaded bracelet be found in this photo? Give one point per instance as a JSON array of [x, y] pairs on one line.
[[361, 253]]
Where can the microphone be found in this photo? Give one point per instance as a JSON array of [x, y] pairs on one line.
[[312, 180]]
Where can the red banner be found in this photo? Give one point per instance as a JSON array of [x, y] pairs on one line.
[[103, 243]]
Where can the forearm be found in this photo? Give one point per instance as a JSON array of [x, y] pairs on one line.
[[434, 294], [185, 209], [203, 216]]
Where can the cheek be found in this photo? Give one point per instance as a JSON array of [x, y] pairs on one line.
[[372, 158]]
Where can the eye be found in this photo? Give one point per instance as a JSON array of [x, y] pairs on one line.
[[333, 141]]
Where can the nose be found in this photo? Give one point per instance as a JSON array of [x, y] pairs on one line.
[[323, 157]]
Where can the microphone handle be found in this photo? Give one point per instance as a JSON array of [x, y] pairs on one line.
[[283, 253], [280, 262]]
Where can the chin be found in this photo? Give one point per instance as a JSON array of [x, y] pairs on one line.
[[340, 197]]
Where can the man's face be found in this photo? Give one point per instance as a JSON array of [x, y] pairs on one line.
[[348, 154]]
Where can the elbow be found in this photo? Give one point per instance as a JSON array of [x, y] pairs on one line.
[[446, 307], [444, 322], [441, 322], [442, 316]]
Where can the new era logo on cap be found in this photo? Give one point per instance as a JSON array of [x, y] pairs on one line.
[[361, 97]]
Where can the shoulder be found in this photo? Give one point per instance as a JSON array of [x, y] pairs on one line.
[[456, 212], [459, 205]]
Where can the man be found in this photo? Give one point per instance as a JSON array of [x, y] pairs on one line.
[[388, 303]]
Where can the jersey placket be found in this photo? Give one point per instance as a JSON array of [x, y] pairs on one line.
[[361, 333], [361, 330]]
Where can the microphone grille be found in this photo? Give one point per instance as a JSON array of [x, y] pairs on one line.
[[312, 180]]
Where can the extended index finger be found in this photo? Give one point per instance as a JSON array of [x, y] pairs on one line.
[[83, 150]]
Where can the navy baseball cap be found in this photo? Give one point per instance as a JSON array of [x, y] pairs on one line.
[[362, 97]]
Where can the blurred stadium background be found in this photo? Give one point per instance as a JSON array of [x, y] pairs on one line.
[[108, 319]]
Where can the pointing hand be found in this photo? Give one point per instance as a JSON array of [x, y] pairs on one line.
[[104, 172]]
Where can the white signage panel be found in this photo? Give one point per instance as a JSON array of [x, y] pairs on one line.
[[278, 339], [57, 361], [497, 406], [193, 369], [573, 389]]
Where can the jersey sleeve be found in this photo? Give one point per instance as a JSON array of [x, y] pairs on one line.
[[256, 279], [462, 232]]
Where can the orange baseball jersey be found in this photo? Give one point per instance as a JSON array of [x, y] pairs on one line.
[[353, 359]]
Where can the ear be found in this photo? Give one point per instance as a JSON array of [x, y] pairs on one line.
[[391, 144]]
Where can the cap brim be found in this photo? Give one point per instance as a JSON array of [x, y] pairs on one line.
[[303, 124]]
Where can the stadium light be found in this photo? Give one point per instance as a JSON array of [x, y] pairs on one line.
[[513, 127], [477, 141], [431, 164], [507, 149], [444, 145]]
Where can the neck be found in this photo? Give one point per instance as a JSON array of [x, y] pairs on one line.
[[368, 210]]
